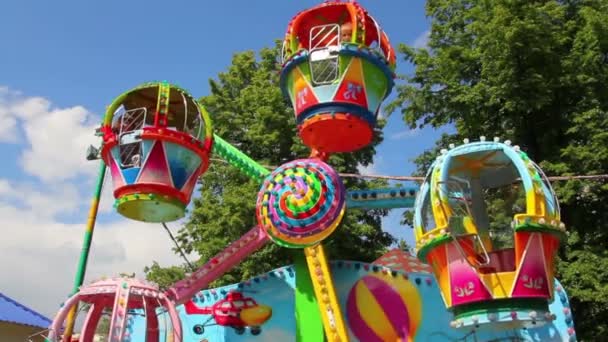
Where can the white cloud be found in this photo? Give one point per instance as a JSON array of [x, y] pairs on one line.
[[422, 41], [56, 199], [5, 187], [29, 108], [58, 141], [406, 134], [106, 202], [8, 126], [372, 168], [44, 252], [57, 137], [8, 123], [42, 255]]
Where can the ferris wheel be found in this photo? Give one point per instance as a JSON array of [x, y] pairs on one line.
[[337, 68]]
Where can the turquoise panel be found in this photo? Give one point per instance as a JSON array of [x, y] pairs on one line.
[[398, 197], [492, 177], [275, 289], [182, 163], [325, 93], [549, 200], [130, 174], [146, 147], [115, 151]]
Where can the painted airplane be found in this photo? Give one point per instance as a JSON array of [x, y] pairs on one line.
[[236, 311]]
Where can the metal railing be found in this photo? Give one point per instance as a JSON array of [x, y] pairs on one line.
[[131, 123], [132, 120], [323, 36], [42, 334], [324, 59], [455, 191]]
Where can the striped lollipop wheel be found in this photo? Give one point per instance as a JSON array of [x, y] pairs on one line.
[[301, 203]]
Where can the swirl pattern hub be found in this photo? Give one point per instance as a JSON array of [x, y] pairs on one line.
[[301, 203]]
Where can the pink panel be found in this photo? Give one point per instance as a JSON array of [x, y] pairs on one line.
[[156, 169], [118, 319], [465, 284], [57, 326], [90, 324], [183, 290], [117, 179], [532, 278], [176, 323]]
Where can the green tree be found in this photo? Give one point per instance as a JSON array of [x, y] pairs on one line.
[[103, 327], [404, 246], [535, 72], [249, 111]]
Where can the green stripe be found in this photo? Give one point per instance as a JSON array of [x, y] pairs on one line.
[[309, 325], [316, 188], [238, 159], [500, 306], [88, 234], [86, 245]]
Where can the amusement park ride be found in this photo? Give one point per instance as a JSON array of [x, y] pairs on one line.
[[338, 66]]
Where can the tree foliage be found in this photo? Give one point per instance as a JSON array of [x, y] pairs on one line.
[[249, 110], [537, 73]]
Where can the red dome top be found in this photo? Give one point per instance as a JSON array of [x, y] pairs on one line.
[[365, 30]]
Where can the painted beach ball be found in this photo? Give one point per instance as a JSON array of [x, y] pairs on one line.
[[382, 307]]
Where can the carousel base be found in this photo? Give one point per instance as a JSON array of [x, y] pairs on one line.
[[150, 208], [503, 314], [336, 132]]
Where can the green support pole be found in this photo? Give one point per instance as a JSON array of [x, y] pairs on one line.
[[86, 246], [309, 323], [238, 159]]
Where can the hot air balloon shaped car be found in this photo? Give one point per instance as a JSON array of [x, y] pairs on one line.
[[338, 66], [156, 143], [491, 273], [235, 311]]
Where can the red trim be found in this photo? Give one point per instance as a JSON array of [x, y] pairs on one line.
[[359, 17], [107, 131], [334, 133], [193, 309], [156, 118], [306, 16], [386, 46], [208, 144], [107, 147], [180, 138], [201, 148], [145, 188]]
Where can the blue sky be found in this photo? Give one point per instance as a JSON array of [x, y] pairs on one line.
[[64, 61]]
